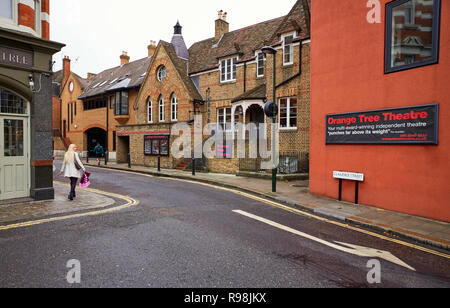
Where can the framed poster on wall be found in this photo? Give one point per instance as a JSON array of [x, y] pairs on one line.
[[156, 145], [406, 125]]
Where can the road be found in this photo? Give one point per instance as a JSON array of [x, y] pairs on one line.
[[187, 235]]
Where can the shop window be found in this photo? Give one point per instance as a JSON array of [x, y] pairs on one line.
[[156, 145], [94, 104], [288, 113], [412, 34]]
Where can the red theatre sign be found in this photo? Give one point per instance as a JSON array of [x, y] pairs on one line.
[[408, 125]]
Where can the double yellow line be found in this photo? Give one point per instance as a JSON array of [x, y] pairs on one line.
[[129, 202]]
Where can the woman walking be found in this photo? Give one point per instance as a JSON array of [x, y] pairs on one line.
[[71, 168]]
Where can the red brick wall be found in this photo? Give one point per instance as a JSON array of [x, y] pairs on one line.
[[26, 16]]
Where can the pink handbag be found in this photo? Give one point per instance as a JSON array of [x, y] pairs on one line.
[[84, 183]]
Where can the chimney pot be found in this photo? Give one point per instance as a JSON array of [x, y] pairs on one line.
[[124, 58], [151, 48], [222, 26]]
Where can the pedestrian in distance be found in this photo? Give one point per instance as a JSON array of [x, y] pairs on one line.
[[99, 152], [71, 169]]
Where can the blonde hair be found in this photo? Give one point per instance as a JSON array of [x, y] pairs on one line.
[[68, 158]]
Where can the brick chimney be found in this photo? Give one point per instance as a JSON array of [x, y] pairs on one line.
[[66, 69], [124, 58], [222, 26], [151, 48]]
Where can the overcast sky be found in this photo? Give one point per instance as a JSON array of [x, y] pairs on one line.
[[97, 31]]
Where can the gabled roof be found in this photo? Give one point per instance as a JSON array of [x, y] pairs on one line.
[[181, 66], [57, 79], [122, 77], [244, 42]]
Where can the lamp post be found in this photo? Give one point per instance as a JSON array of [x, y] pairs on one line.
[[273, 113]]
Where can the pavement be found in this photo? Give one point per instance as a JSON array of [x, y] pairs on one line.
[[23, 210], [296, 193]]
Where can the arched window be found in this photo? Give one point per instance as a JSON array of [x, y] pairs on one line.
[[161, 109], [149, 110], [174, 107]]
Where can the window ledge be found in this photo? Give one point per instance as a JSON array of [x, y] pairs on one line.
[[288, 129]]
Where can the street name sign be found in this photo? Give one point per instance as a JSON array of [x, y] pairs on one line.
[[341, 175]]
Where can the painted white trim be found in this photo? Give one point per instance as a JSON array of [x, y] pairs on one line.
[[29, 3], [45, 17]]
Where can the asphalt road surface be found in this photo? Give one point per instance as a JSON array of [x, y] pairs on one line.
[[187, 235]]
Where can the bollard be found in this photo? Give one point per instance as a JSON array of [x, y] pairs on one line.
[[106, 158], [129, 160], [159, 163], [87, 157], [193, 167]]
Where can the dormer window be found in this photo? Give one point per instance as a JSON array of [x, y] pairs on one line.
[[228, 70], [260, 65], [288, 49]]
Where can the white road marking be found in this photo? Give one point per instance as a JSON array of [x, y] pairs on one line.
[[352, 249]]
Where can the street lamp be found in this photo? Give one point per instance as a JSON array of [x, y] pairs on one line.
[[273, 113]]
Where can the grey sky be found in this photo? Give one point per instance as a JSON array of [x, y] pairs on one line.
[[97, 31]]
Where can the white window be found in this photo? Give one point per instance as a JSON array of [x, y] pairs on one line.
[[288, 113], [162, 73], [260, 65], [6, 9], [288, 50], [228, 70], [174, 108], [224, 119], [162, 116], [149, 111]]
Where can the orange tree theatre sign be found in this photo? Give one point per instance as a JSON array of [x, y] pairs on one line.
[[16, 57], [408, 125]]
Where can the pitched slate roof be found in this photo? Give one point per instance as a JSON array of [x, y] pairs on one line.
[[244, 42], [205, 55], [122, 77]]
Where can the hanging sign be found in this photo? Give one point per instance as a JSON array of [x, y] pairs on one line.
[[409, 125]]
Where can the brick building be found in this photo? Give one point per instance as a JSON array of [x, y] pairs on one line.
[[26, 165], [90, 109], [377, 78], [227, 80]]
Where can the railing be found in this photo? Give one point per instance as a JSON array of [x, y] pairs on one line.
[[290, 163]]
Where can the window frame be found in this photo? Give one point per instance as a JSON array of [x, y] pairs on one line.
[[159, 77], [291, 48], [288, 113], [118, 105], [149, 110], [436, 29], [224, 119], [228, 70], [161, 110], [13, 19], [174, 103], [258, 67]]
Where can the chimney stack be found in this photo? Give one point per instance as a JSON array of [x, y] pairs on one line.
[[90, 75], [66, 69], [151, 48], [222, 26], [124, 58]]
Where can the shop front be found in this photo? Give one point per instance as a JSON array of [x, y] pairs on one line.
[[26, 166]]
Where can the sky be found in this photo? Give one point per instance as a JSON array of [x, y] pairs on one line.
[[97, 31]]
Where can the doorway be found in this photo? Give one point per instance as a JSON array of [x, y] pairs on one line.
[[14, 157], [95, 136]]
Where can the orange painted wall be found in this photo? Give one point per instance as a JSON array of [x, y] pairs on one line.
[[347, 75]]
